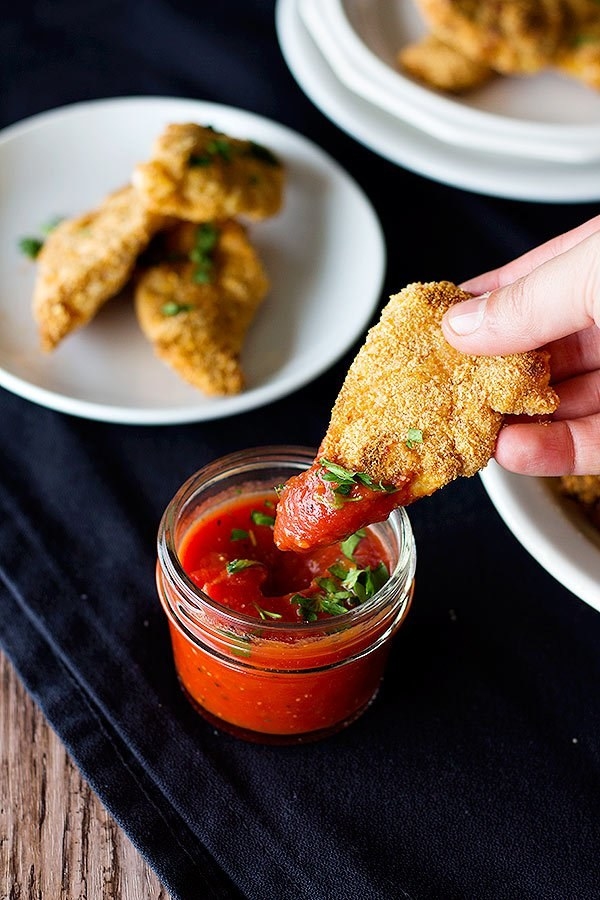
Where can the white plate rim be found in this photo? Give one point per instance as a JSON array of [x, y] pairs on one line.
[[534, 516], [407, 146], [251, 398], [360, 69]]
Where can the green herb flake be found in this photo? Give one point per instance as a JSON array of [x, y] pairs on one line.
[[236, 565], [351, 543], [257, 151], [582, 40], [220, 147], [240, 642], [414, 437], [345, 479], [202, 275], [172, 308], [30, 246], [199, 160], [345, 589], [261, 518], [238, 534], [205, 240], [267, 613]]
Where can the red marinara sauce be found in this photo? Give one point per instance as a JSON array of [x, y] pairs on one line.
[[272, 646], [231, 556]]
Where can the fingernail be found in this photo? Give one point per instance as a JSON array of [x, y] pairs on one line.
[[466, 317]]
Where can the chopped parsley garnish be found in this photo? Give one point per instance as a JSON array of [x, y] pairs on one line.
[[345, 589], [238, 534], [240, 642], [262, 153], [222, 148], [350, 544], [236, 565], [197, 161], [580, 40], [218, 147], [201, 254], [172, 308], [30, 246], [414, 436], [345, 479], [261, 518], [267, 613]]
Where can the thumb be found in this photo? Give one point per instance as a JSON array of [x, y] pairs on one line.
[[560, 297]]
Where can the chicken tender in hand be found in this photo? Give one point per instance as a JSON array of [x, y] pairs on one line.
[[412, 415], [87, 260], [196, 309], [199, 174]]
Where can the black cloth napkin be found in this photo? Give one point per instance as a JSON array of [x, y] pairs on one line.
[[475, 774]]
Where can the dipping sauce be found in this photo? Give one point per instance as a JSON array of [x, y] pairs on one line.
[[231, 556], [276, 646]]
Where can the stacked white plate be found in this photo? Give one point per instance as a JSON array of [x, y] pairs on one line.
[[531, 138]]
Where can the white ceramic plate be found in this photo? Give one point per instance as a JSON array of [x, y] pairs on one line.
[[324, 253], [500, 175], [546, 116], [546, 527]]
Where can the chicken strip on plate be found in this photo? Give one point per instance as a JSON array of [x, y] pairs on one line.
[[199, 174], [196, 307], [87, 260]]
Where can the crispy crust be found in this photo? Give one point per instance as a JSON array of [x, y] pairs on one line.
[[87, 260], [203, 341], [406, 376], [579, 55], [435, 64], [510, 36], [188, 177]]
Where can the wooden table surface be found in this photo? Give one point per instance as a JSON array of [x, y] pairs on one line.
[[57, 842]]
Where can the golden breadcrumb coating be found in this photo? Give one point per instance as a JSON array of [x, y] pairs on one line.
[[412, 405], [198, 174], [579, 54], [87, 260], [584, 488], [510, 36], [435, 64], [196, 309]]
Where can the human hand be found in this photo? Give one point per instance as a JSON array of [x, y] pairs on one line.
[[549, 297]]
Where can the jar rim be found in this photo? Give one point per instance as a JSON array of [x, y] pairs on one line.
[[253, 459]]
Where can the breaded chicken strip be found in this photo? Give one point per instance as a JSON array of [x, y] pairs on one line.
[[87, 260], [436, 65], [579, 54], [196, 309], [584, 490], [198, 174], [412, 415], [509, 36]]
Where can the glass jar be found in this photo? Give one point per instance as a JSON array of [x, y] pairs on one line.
[[275, 682]]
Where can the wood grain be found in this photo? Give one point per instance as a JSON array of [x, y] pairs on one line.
[[57, 841]]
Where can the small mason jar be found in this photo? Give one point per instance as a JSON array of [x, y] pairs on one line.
[[275, 682]]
